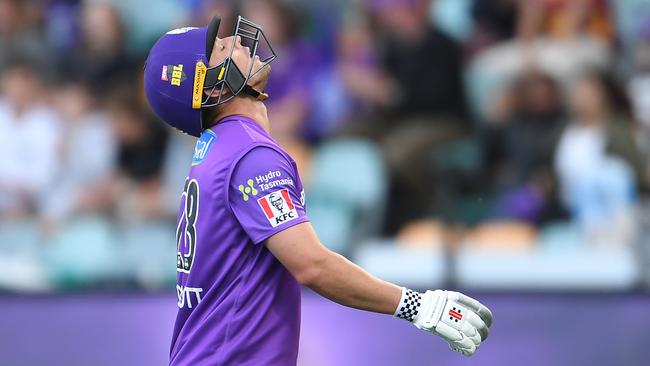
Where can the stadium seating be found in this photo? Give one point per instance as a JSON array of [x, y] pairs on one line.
[[427, 266], [347, 192], [560, 260]]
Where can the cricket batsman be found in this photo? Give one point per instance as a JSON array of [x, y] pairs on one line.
[[245, 244]]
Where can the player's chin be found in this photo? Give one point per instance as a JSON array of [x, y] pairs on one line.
[[265, 69], [262, 76]]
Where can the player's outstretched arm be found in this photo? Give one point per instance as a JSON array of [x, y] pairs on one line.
[[329, 273], [459, 319]]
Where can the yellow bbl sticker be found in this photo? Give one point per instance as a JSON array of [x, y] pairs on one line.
[[177, 75], [174, 74]]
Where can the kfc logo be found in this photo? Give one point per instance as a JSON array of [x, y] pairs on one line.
[[278, 207]]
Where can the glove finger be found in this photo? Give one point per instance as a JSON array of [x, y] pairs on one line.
[[465, 348], [473, 305], [456, 349], [465, 343], [470, 332], [478, 323], [486, 315], [469, 352], [448, 333]]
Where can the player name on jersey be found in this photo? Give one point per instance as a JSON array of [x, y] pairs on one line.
[[186, 294]]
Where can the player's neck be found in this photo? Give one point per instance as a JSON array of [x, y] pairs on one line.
[[247, 107]]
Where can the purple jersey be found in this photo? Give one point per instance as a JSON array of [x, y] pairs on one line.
[[238, 304]]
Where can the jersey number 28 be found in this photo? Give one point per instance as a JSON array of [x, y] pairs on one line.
[[186, 228]]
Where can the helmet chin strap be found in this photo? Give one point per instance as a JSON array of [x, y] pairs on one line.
[[261, 96]]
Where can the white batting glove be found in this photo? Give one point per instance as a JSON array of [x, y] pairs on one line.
[[458, 319]]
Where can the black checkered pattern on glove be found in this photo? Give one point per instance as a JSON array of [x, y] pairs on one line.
[[410, 305]]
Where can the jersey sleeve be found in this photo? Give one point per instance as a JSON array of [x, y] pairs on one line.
[[264, 193]]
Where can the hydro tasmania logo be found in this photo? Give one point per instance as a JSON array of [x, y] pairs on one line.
[[278, 207], [248, 190]]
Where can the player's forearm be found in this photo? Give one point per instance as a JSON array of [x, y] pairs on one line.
[[342, 281]]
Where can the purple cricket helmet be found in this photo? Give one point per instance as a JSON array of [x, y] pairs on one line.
[[179, 83]]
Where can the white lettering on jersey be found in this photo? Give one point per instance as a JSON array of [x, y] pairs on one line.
[[185, 295], [268, 176]]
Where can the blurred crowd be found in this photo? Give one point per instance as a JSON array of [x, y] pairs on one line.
[[422, 120]]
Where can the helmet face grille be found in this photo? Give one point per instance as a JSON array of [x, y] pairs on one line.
[[227, 78]]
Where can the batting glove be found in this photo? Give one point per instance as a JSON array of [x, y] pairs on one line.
[[458, 319]]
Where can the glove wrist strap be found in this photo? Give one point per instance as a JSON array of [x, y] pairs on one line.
[[409, 305]]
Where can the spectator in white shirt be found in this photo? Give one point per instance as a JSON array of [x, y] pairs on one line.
[[87, 156], [29, 141], [598, 162]]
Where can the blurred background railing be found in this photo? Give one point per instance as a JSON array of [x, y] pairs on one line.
[[495, 145]]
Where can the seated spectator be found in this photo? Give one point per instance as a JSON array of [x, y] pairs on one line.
[[494, 21], [355, 85], [638, 88], [289, 87], [81, 185], [520, 141], [141, 147], [101, 57], [592, 17], [597, 159], [426, 83], [19, 33], [547, 31], [29, 141]]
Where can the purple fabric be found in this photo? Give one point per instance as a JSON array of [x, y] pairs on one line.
[[238, 304], [271, 174]]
